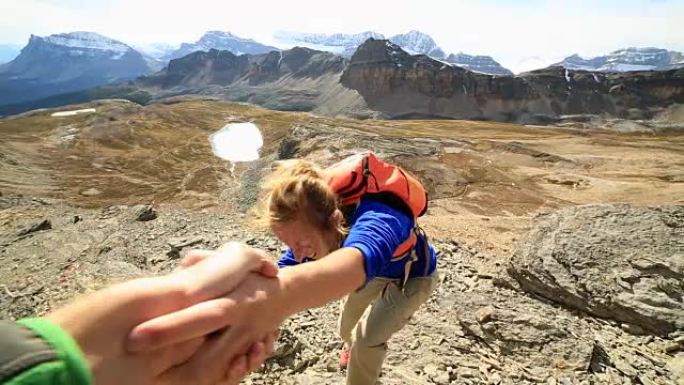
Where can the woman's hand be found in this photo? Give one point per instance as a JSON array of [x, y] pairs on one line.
[[101, 322], [258, 303]]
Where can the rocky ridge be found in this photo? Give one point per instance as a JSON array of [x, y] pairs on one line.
[[405, 86]]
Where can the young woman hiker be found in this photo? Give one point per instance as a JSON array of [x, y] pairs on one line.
[[376, 255], [378, 246]]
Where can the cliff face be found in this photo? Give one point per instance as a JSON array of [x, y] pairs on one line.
[[404, 86], [223, 68], [201, 69]]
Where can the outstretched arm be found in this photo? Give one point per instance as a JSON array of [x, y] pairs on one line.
[[316, 283], [260, 302]]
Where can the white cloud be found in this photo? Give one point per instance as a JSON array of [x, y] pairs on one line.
[[513, 32]]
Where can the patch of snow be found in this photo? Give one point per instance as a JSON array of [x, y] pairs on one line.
[[339, 40], [237, 142], [414, 42], [596, 79], [87, 40], [444, 63], [73, 112], [623, 67], [567, 75]]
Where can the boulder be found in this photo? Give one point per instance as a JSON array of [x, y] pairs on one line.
[[45, 224], [614, 261], [144, 213]]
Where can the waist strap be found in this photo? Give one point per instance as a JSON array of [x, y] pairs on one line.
[[413, 255]]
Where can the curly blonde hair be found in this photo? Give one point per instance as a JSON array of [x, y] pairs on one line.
[[297, 187]]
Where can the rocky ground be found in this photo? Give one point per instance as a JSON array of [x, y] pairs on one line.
[[477, 328], [535, 287]]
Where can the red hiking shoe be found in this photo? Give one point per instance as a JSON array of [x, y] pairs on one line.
[[344, 357]]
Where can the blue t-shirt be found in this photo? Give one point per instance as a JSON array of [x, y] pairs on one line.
[[377, 229]]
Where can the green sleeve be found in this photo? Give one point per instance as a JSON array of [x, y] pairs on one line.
[[68, 366]]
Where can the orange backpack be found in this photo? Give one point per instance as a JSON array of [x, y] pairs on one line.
[[359, 175]]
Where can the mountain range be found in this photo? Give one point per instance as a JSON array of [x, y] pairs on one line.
[[413, 42], [380, 79], [628, 59]]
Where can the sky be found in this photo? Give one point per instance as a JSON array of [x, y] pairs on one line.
[[520, 34]]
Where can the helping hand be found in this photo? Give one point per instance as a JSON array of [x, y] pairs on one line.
[[249, 313], [101, 322]]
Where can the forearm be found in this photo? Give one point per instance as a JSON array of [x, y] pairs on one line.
[[316, 283]]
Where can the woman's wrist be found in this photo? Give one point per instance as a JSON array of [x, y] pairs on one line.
[[289, 300], [316, 283]]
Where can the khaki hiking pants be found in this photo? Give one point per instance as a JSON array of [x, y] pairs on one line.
[[390, 311]]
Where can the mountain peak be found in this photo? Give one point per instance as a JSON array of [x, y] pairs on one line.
[[225, 41], [84, 40], [224, 35], [67, 62], [416, 42]]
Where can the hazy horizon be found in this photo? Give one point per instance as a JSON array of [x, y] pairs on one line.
[[521, 35]]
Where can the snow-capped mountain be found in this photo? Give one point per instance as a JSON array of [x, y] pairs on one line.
[[8, 52], [156, 50], [222, 41], [482, 64], [67, 62], [628, 59], [412, 42], [87, 43], [418, 43], [340, 43]]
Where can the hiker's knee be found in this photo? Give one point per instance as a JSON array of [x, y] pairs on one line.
[[369, 335]]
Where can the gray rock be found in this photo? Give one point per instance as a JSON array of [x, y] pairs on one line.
[[40, 226], [430, 370], [614, 261], [144, 213], [181, 242], [441, 378], [676, 366]]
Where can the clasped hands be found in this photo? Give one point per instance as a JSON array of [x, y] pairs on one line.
[[212, 321]]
